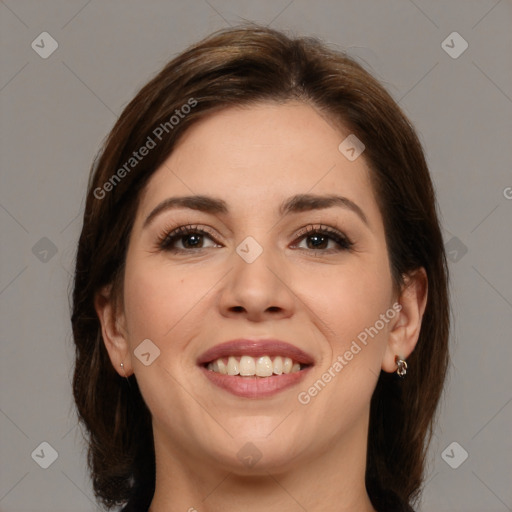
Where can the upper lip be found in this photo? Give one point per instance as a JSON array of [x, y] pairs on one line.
[[255, 348]]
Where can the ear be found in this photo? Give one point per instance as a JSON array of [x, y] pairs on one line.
[[405, 331], [113, 330]]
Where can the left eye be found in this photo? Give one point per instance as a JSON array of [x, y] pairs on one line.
[[190, 238], [319, 240]]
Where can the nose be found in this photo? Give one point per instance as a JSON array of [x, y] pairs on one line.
[[257, 291]]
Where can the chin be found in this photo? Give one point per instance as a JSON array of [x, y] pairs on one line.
[[259, 445]]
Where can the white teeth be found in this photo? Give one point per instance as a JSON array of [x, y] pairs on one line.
[[264, 367], [247, 366], [233, 368], [222, 367], [278, 365]]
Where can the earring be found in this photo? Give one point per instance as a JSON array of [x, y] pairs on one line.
[[402, 366], [125, 376]]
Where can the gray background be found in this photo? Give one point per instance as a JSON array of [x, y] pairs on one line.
[[56, 111]]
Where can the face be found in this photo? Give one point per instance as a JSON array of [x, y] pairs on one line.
[[294, 278]]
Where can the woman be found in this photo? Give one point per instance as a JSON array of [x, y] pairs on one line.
[[260, 302]]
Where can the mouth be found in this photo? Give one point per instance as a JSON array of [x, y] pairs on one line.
[[255, 368]]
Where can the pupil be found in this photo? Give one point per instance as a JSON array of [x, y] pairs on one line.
[[193, 244], [317, 238]]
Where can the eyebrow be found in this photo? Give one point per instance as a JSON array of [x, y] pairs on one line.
[[294, 204]]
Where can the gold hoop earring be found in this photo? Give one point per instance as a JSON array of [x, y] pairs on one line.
[[401, 366]]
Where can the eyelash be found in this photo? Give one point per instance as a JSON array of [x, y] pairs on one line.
[[167, 239]]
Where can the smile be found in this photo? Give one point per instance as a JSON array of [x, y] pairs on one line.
[[255, 368]]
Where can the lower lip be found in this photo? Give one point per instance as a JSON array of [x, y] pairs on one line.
[[255, 387]]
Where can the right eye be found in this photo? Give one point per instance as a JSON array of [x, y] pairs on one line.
[[190, 237]]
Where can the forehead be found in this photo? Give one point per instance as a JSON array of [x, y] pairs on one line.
[[262, 152]]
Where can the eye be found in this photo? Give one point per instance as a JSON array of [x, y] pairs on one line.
[[189, 237], [319, 238]]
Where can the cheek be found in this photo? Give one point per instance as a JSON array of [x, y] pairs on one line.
[[351, 306], [354, 306], [170, 304], [349, 299], [159, 297], [161, 304]]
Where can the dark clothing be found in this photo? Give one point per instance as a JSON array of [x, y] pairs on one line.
[[383, 503], [402, 508]]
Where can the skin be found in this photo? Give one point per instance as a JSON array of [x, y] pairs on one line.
[[313, 455]]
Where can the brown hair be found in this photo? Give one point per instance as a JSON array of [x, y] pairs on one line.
[[238, 67]]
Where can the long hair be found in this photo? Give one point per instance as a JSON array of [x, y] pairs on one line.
[[242, 66]]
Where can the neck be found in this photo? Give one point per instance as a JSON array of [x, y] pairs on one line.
[[333, 480]]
